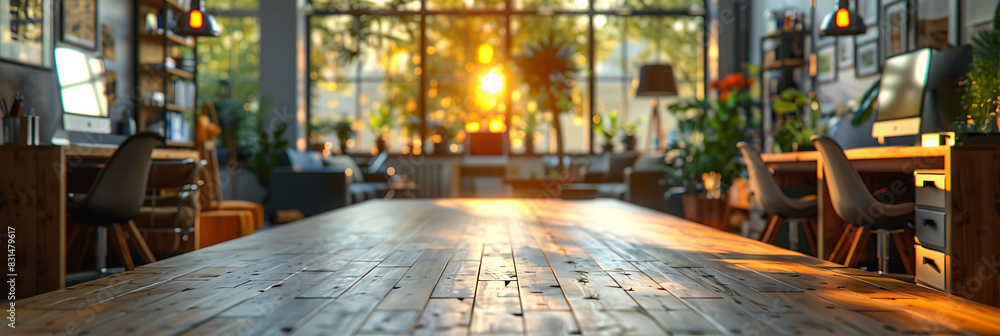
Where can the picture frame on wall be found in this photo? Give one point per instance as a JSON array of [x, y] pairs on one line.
[[977, 15], [26, 32], [108, 41], [866, 59], [826, 63], [868, 10], [936, 24], [895, 29], [78, 22], [845, 52]]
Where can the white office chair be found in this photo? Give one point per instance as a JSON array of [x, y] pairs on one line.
[[855, 204]]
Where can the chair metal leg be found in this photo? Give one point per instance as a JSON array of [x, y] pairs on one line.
[[793, 234], [101, 255], [144, 251], [883, 252]]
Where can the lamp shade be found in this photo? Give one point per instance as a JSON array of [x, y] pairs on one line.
[[843, 22], [656, 80], [196, 22]]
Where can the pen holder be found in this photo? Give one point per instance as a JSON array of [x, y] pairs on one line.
[[11, 126], [28, 131]]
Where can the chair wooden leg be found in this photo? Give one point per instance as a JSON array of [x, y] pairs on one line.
[[858, 247], [144, 251], [904, 250], [807, 226], [842, 243], [88, 232], [123, 253], [773, 224]]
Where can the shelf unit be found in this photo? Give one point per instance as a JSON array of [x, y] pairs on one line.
[[782, 68], [151, 50]]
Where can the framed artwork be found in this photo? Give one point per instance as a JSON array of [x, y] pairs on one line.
[[826, 63], [845, 52], [895, 30], [866, 59], [868, 10], [108, 41], [111, 87], [79, 23], [26, 32], [977, 16], [936, 24]]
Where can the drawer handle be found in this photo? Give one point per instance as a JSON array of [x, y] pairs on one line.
[[929, 222], [929, 261], [929, 184]]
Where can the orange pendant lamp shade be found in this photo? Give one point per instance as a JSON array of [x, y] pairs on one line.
[[843, 22]]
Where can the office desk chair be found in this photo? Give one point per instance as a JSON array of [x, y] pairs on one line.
[[116, 197], [769, 197], [855, 204]]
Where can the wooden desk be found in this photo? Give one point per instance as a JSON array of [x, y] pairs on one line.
[[973, 192], [536, 267], [33, 204]]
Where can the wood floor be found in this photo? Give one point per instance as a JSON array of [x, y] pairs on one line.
[[497, 267]]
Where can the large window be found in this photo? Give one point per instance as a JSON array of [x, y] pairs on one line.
[[421, 78], [229, 71]]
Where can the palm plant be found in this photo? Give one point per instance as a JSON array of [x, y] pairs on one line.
[[546, 67]]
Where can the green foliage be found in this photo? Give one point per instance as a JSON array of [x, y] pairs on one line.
[[980, 86], [630, 127], [344, 129], [607, 127], [382, 121], [269, 148], [794, 132], [530, 123], [546, 66], [867, 106], [709, 131]]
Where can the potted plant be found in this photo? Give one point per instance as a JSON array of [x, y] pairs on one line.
[[980, 89], [528, 125], [630, 128], [608, 129], [793, 133], [703, 158], [344, 128], [547, 67], [381, 123], [442, 135]]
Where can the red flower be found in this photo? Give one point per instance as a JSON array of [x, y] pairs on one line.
[[724, 95]]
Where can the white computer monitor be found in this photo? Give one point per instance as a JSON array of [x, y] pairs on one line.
[[901, 95], [82, 86]]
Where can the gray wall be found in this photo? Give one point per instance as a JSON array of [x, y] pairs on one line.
[[40, 86]]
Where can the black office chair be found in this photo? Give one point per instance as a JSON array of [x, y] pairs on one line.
[[116, 197]]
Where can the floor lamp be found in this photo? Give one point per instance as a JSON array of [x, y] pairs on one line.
[[656, 80]]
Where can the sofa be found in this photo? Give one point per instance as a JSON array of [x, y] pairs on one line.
[[311, 183]]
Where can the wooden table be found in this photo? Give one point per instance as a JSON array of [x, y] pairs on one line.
[[33, 206], [537, 267]]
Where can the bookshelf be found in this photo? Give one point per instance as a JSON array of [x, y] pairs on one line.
[[168, 93]]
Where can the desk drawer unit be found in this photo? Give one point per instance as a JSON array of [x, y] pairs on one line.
[[932, 268], [931, 228], [931, 192]]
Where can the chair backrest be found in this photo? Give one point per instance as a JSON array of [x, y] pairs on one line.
[[765, 190], [210, 193], [173, 173], [117, 193], [851, 198], [305, 160]]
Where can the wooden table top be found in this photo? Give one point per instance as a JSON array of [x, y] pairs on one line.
[[867, 153], [537, 267]]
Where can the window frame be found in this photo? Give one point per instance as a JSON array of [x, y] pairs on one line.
[[506, 14]]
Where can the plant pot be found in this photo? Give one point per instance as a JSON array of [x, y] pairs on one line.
[[700, 209], [630, 143], [380, 145], [609, 148], [981, 139], [529, 147], [343, 148]]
